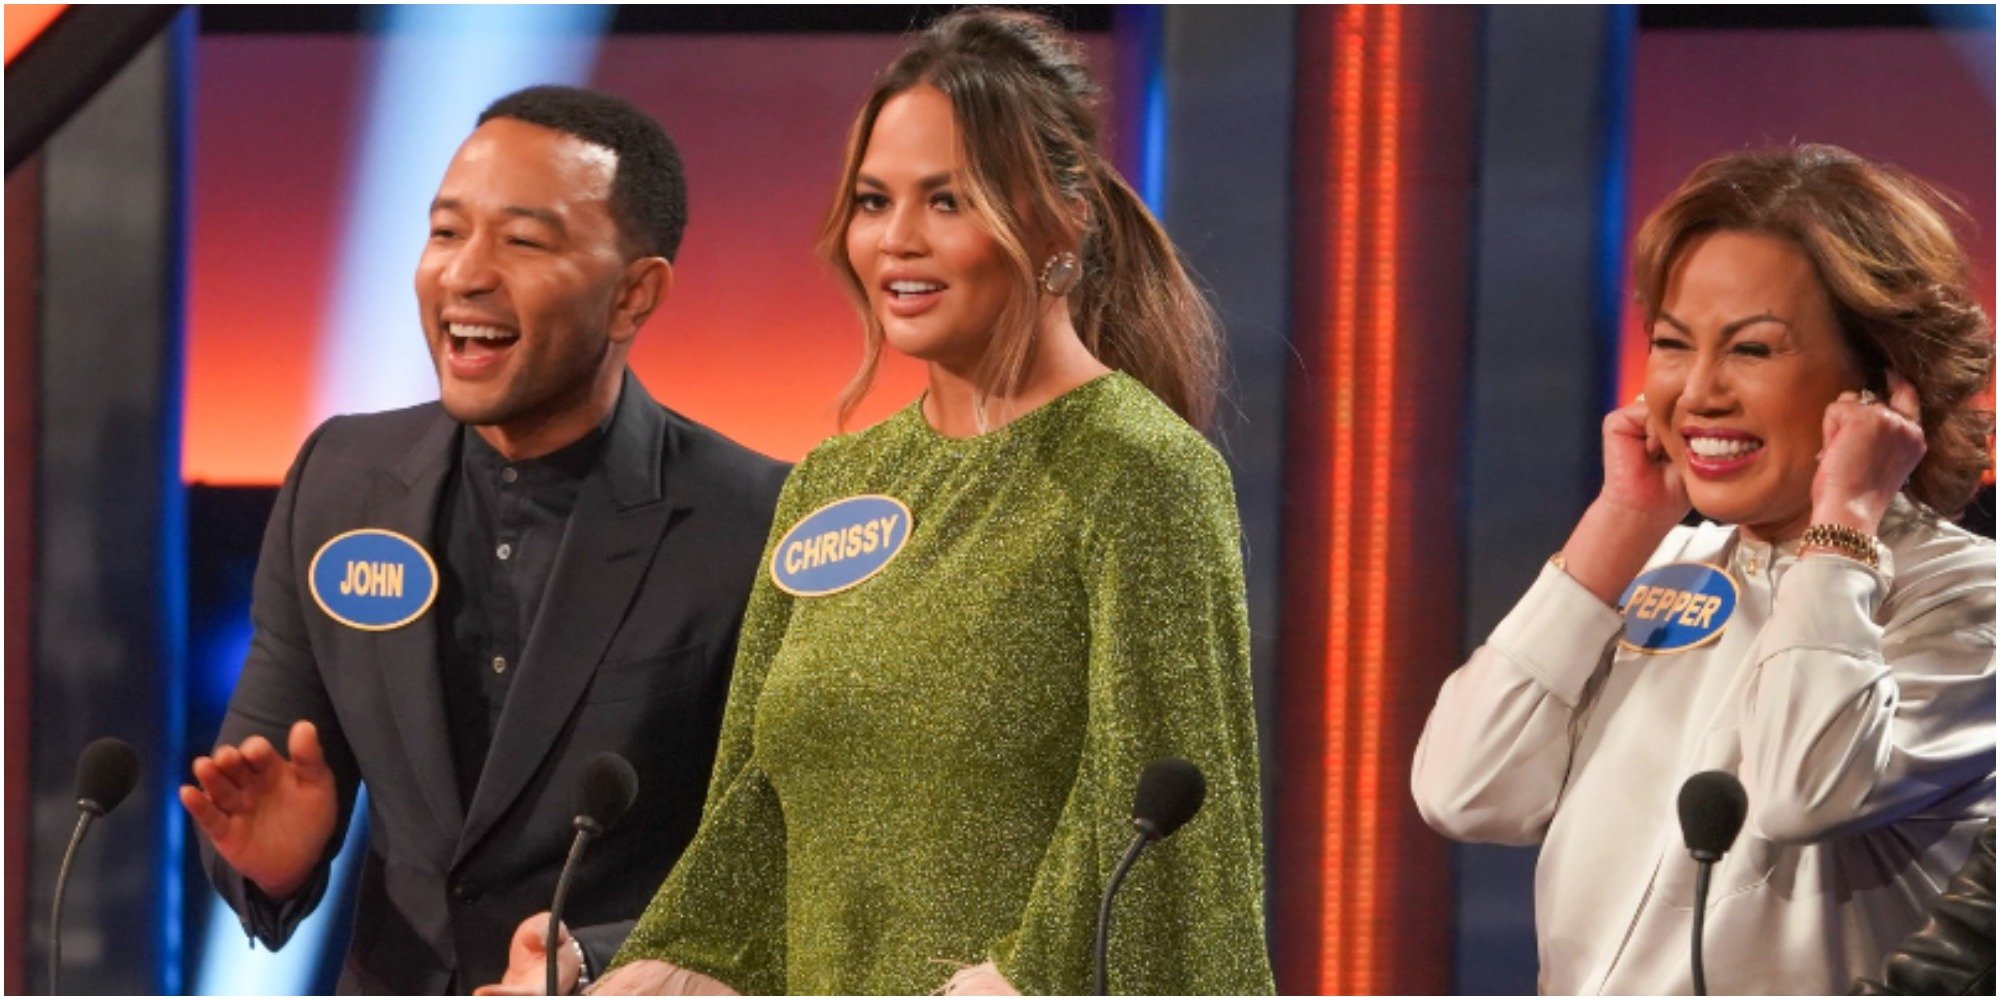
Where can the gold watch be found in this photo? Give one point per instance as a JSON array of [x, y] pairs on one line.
[[1842, 540]]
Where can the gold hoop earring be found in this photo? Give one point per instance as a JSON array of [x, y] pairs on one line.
[[1060, 274]]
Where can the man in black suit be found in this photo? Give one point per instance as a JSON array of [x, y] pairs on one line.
[[462, 602]]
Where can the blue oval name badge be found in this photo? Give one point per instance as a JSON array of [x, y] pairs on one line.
[[1677, 606], [840, 545], [373, 580]]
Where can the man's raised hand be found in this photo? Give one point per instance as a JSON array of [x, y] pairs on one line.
[[268, 816]]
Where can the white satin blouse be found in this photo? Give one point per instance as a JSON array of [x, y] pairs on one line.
[[1856, 706]]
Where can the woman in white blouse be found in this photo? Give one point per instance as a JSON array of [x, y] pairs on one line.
[[1827, 636]]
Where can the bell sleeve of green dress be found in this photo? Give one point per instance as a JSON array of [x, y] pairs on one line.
[[1169, 675], [721, 911]]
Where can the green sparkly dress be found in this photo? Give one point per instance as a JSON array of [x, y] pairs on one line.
[[935, 768]]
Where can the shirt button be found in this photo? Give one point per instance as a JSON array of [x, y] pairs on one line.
[[508, 475], [505, 551], [464, 890], [499, 664]]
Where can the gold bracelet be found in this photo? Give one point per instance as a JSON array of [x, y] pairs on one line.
[[1842, 540]]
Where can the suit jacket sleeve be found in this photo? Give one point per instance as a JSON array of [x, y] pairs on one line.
[[600, 942], [721, 912], [280, 685]]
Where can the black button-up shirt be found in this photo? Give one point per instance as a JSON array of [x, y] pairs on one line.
[[500, 524]]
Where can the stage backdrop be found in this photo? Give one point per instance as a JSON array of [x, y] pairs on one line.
[[755, 340]]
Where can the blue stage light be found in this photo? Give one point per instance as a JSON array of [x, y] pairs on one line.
[[173, 524], [1614, 118], [1142, 31], [1960, 15], [218, 661], [230, 969]]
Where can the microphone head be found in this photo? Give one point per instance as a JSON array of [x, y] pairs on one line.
[[106, 773], [605, 792], [1170, 793], [1712, 806]]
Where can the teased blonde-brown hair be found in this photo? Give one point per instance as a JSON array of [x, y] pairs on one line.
[[1883, 248]]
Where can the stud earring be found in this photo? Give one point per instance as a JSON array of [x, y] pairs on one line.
[[1060, 274]]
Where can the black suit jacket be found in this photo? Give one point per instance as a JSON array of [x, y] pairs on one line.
[[630, 652]]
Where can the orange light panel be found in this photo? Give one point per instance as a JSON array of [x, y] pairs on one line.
[[27, 21]]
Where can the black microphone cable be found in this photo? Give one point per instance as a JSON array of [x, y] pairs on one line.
[[603, 795], [1170, 793]]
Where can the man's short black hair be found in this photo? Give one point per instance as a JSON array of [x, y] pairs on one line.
[[648, 192]]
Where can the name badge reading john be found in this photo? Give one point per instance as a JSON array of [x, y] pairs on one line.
[[840, 545], [373, 580], [1677, 606]]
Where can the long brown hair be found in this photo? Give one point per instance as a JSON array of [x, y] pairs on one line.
[[1026, 110], [1884, 250]]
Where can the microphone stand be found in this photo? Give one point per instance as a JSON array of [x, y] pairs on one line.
[[1102, 949], [586, 828], [62, 884], [1701, 873], [1712, 807]]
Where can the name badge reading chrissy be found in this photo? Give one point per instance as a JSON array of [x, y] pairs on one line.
[[373, 580], [1677, 606], [840, 545]]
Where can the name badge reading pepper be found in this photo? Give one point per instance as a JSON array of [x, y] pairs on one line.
[[1676, 607], [840, 545], [373, 580]]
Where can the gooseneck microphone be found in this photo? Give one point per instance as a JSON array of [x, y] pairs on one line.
[[106, 773], [603, 794], [1712, 805], [1170, 793]]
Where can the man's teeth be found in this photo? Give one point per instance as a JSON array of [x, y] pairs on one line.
[[1715, 447], [914, 287], [473, 331]]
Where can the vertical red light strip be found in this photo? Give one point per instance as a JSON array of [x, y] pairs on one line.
[[1381, 488], [1342, 375], [1371, 610]]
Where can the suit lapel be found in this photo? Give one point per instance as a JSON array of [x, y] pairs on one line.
[[405, 500], [621, 511]]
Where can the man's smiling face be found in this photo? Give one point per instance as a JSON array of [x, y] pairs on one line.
[[520, 282]]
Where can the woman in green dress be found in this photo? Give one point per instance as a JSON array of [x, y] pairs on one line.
[[979, 620]]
